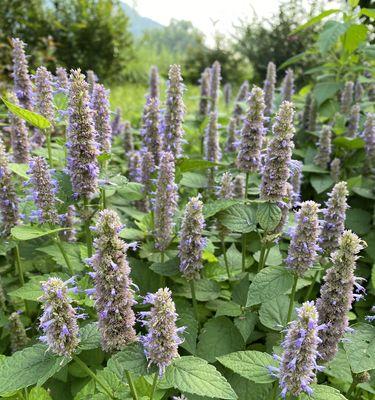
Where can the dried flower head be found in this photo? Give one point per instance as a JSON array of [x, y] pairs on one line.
[[269, 88], [18, 337], [323, 156]]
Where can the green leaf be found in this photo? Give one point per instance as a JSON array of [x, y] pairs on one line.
[[331, 32], [194, 375], [248, 390], [31, 117], [314, 168], [292, 60], [339, 367], [369, 12], [210, 209], [315, 20], [113, 384], [90, 337], [354, 36], [186, 164], [246, 324], [33, 365], [252, 365], [240, 218], [274, 313], [358, 220], [322, 392], [28, 232], [20, 170], [72, 251], [205, 290], [268, 284], [349, 143], [131, 191], [219, 336], [38, 393], [187, 319], [325, 90], [321, 183], [168, 268], [274, 257], [360, 347], [268, 216], [194, 180], [30, 290]]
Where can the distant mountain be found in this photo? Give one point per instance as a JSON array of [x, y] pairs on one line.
[[139, 24]]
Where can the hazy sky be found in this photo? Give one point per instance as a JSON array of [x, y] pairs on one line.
[[203, 12]]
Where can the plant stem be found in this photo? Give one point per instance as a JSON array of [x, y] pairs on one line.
[[244, 234], [63, 253], [261, 257], [225, 257], [246, 184], [92, 374], [162, 277], [154, 383], [292, 296], [352, 387], [87, 229], [49, 149], [133, 390], [18, 265], [193, 296], [274, 391], [103, 203], [312, 285]]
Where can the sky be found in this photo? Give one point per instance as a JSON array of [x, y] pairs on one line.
[[203, 13]]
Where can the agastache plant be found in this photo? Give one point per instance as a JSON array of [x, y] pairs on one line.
[[114, 296], [227, 93], [239, 187], [313, 113], [59, 318], [298, 362], [347, 98], [215, 84], [231, 143], [305, 118], [212, 145], [287, 89], [150, 131], [248, 159], [62, 79], [368, 136], [205, 85], [295, 180], [128, 138], [82, 148], [147, 168], [135, 166], [8, 196], [67, 220], [323, 155], [335, 169], [91, 80], [333, 223], [225, 192], [116, 125], [163, 337], [276, 169], [192, 243], [174, 113], [18, 337], [242, 95], [336, 294], [358, 91], [22, 82], [154, 82], [303, 246], [43, 189], [354, 121], [166, 199], [269, 88], [101, 115], [19, 137]]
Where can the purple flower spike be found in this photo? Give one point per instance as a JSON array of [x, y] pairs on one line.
[[19, 137], [231, 143], [287, 89], [369, 138], [18, 337], [227, 93], [67, 221], [147, 168], [238, 111], [154, 82], [215, 84], [212, 146], [347, 98], [205, 85], [353, 125], [150, 131], [269, 88], [62, 79], [323, 156], [295, 180], [335, 169], [128, 138], [239, 187]]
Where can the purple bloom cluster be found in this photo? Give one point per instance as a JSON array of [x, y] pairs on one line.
[[335, 168], [22, 82], [227, 93], [303, 245], [128, 138], [369, 138], [205, 84], [231, 143], [147, 168], [62, 79], [19, 137], [44, 93], [252, 133], [347, 98], [305, 118], [226, 188], [116, 125], [101, 115], [285, 206], [323, 155], [238, 111], [150, 131], [18, 337], [8, 196], [59, 318], [174, 113], [82, 148], [333, 223], [166, 199], [212, 145], [192, 243], [215, 84], [67, 221], [295, 180], [354, 121], [154, 82], [269, 88], [276, 169], [43, 191], [287, 89], [162, 339], [298, 363], [336, 294], [114, 297], [358, 92], [135, 167]]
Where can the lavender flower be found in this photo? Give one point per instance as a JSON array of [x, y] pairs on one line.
[[335, 168], [212, 145], [347, 98], [154, 82], [147, 168], [358, 92], [312, 116], [67, 221], [135, 168], [242, 95], [19, 137], [306, 112], [354, 121], [91, 80], [44, 93], [114, 297], [276, 169], [82, 149], [252, 133], [8, 196], [295, 180], [128, 138], [162, 339], [298, 363], [303, 245], [226, 188], [59, 318], [101, 116], [227, 93], [174, 114], [166, 199], [116, 124], [269, 88], [323, 155], [239, 187], [287, 89], [333, 223], [336, 294], [150, 131], [62, 79], [18, 337], [192, 243], [231, 143], [43, 191], [285, 205], [22, 83], [369, 138], [215, 84], [205, 85]]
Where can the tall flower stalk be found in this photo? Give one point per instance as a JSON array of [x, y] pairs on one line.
[[295, 180], [227, 93], [231, 143], [335, 169], [368, 136], [269, 88], [323, 155], [354, 121], [287, 89], [147, 169], [238, 111], [215, 85], [18, 336], [128, 138], [151, 130], [19, 137], [212, 145], [154, 82], [347, 98], [205, 85]]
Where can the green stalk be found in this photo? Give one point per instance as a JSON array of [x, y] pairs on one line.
[[93, 376], [244, 234], [274, 391], [352, 388], [132, 388], [87, 229], [154, 384], [311, 287], [103, 202], [193, 296], [224, 249], [162, 277], [292, 296], [18, 265], [264, 252], [63, 253], [49, 149]]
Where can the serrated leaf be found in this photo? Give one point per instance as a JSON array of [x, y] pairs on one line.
[[329, 36], [315, 20], [28, 232], [339, 367], [131, 191], [240, 218], [194, 180], [268, 284], [20, 170], [72, 251], [205, 290], [274, 256], [246, 324], [30, 290], [187, 319], [322, 392], [252, 365], [268, 215], [210, 209], [38, 393], [274, 313], [354, 36], [349, 143], [248, 390], [168, 268], [369, 12], [31, 117], [325, 90], [187, 164], [321, 183], [358, 220], [194, 375], [90, 337]]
